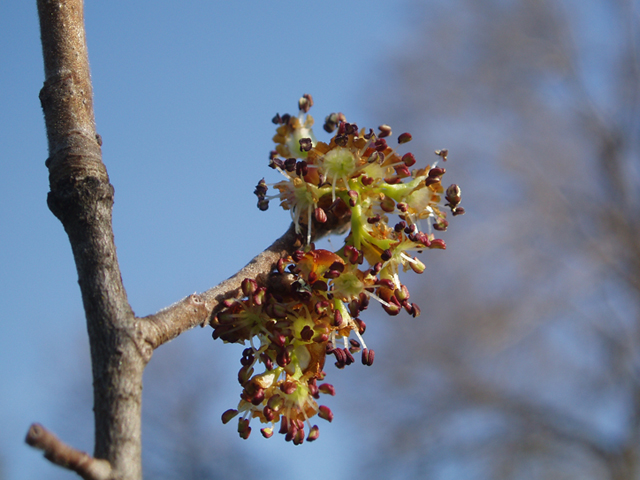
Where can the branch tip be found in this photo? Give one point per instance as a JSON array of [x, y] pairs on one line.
[[59, 453]]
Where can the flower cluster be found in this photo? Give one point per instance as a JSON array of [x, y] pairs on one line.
[[311, 304]]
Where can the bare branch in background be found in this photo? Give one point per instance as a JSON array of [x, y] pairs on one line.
[[527, 362]]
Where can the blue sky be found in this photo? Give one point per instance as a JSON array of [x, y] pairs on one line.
[[183, 100]]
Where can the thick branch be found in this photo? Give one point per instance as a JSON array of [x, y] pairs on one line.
[[82, 199], [200, 309], [58, 452]]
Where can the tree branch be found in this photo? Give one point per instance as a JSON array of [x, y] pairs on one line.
[[82, 199], [200, 309], [58, 452]]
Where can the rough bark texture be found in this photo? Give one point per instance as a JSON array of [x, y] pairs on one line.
[[82, 198]]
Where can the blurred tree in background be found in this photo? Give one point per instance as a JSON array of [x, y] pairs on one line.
[[525, 361]]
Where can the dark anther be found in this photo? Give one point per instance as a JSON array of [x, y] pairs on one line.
[[431, 181], [337, 266], [320, 215], [361, 325], [327, 389], [258, 397], [457, 211], [348, 357], [386, 255], [228, 415], [288, 387], [284, 425], [441, 225], [307, 333], [400, 226], [277, 119], [353, 198], [263, 204], [436, 172], [404, 138], [297, 255], [408, 159], [320, 286], [290, 164], [354, 308], [285, 118], [305, 103], [380, 145], [453, 195], [276, 163], [261, 189], [373, 220], [341, 140], [368, 136], [411, 229], [385, 131], [337, 318], [442, 153], [402, 171], [367, 357], [305, 144], [438, 243], [325, 413], [352, 254], [283, 358], [366, 181], [351, 129], [301, 168], [354, 343]]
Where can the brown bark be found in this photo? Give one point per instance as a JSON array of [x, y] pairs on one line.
[[82, 199]]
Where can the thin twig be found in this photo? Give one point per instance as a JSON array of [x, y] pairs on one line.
[[196, 310], [58, 452]]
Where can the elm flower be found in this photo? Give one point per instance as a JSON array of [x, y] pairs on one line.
[[311, 304]]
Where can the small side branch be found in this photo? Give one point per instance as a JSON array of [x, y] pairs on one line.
[[196, 310], [58, 452]]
